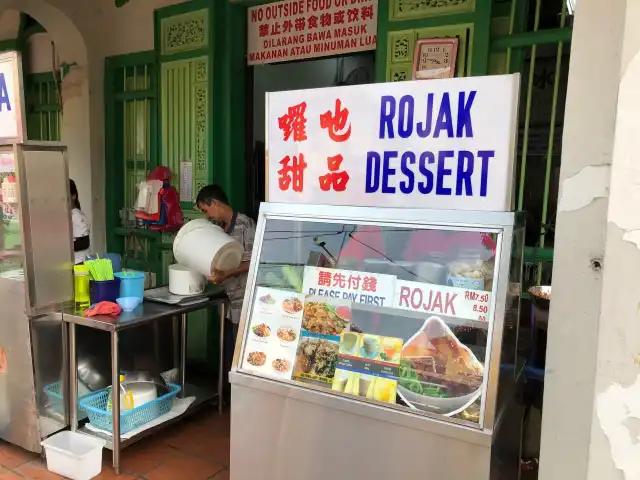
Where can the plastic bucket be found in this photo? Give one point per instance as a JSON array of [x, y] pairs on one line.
[[131, 284], [203, 247], [106, 291], [116, 260], [74, 455]]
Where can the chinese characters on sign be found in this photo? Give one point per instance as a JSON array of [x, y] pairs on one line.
[[336, 125], [443, 144], [293, 125], [297, 29]]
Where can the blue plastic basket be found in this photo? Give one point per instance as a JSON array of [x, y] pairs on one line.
[[96, 407], [56, 402]]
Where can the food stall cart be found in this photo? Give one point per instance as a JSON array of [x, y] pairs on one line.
[[35, 268], [380, 325], [35, 280], [149, 313]]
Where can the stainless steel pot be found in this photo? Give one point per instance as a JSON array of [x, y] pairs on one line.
[[89, 374]]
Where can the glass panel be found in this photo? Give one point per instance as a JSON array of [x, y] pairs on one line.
[[392, 315], [11, 258]]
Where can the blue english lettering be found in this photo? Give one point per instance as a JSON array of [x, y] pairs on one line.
[[464, 127], [5, 101], [484, 155], [463, 176], [388, 171], [372, 182], [443, 172], [408, 158]]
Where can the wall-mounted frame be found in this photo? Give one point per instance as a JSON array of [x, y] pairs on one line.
[[435, 58]]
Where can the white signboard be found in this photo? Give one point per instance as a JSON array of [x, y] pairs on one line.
[[11, 120], [356, 287], [445, 144], [297, 29]]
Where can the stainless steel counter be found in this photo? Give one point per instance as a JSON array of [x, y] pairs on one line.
[[148, 312]]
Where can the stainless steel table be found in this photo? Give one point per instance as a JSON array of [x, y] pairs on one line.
[[146, 313]]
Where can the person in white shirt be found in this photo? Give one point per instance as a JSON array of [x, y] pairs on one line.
[[81, 226]]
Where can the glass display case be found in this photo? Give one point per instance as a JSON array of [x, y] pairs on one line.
[[406, 315]]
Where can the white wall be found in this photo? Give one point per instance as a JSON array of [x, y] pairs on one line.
[[298, 75], [592, 385], [39, 54]]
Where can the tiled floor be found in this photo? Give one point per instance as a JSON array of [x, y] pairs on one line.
[[194, 449]]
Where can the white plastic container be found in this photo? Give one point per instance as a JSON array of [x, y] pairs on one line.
[[74, 455], [184, 281], [203, 247]]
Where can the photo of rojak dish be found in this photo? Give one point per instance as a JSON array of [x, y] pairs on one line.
[[261, 330], [267, 299], [317, 357], [287, 334], [281, 365], [257, 359], [322, 318], [292, 305], [437, 372]]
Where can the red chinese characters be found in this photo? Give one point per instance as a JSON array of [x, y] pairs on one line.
[[291, 175], [294, 127], [324, 278], [354, 282], [335, 122], [353, 14], [294, 122], [366, 12], [336, 178]]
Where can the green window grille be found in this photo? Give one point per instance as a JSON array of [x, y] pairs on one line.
[[43, 105], [130, 147], [533, 38]]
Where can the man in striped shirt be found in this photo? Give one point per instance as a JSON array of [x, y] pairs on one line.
[[213, 202]]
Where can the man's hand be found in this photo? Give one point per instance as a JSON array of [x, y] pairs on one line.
[[218, 277]]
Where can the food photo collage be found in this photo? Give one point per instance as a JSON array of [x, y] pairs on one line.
[[417, 363]]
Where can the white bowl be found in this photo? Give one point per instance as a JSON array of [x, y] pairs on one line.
[[444, 406]]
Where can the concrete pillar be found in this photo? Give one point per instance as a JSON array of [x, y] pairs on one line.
[[592, 386]]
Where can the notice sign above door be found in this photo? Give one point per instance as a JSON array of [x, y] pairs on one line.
[[299, 29]]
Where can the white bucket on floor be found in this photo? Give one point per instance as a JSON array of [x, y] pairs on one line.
[[202, 246], [74, 455]]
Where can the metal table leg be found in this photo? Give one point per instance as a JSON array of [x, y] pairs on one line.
[[183, 353], [73, 378], [221, 314], [176, 342], [115, 401]]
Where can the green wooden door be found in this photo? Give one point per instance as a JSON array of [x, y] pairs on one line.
[[185, 130]]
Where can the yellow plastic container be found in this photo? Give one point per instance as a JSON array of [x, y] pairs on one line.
[[81, 279]]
